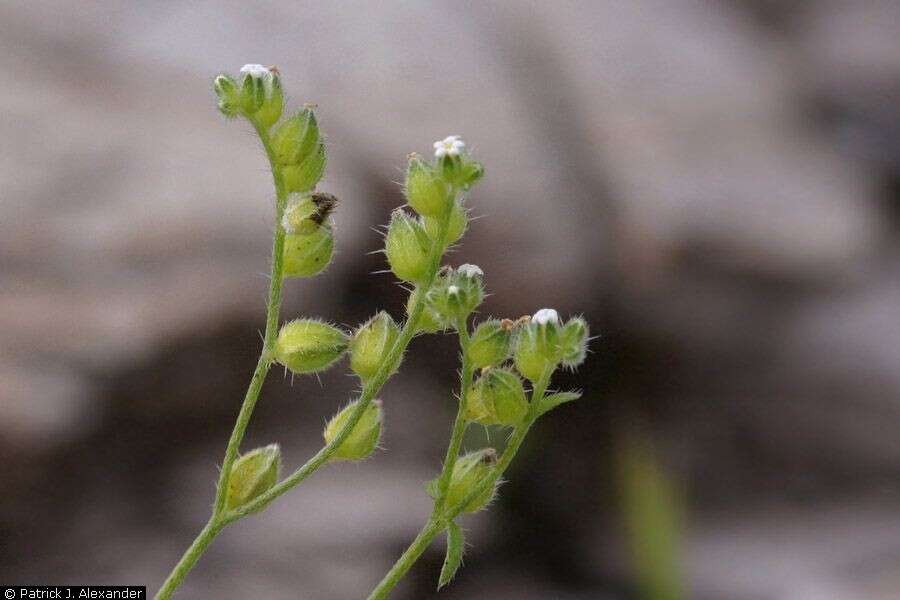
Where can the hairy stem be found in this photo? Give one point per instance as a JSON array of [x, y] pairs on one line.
[[370, 390], [408, 559], [439, 520], [459, 425], [273, 307]]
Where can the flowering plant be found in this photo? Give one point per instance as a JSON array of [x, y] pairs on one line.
[[500, 357]]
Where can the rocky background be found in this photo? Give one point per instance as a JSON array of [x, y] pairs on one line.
[[715, 185]]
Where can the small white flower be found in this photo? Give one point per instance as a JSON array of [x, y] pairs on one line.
[[453, 290], [545, 316], [451, 145], [470, 271], [256, 71], [266, 74]]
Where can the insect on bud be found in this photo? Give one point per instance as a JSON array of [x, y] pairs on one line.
[[537, 346], [489, 345], [228, 94], [252, 474], [425, 191], [309, 346], [459, 221], [364, 438], [371, 343], [469, 470], [497, 398], [406, 246], [309, 243]]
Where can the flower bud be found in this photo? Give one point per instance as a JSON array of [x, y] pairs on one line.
[[426, 193], [371, 343], [456, 293], [364, 438], [309, 243], [470, 173], [228, 94], [252, 474], [270, 111], [459, 221], [497, 398], [309, 346], [573, 342], [305, 176], [430, 321], [489, 345], [406, 246], [297, 138], [537, 346], [308, 254], [469, 470], [258, 92]]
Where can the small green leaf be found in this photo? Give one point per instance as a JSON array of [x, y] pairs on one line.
[[552, 401], [456, 545]]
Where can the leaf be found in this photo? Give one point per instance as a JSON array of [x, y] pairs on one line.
[[456, 545], [553, 400]]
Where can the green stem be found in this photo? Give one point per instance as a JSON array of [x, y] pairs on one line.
[[370, 390], [408, 559], [459, 425], [273, 307], [438, 521]]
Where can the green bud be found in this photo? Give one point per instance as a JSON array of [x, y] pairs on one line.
[[469, 470], [426, 193], [364, 438], [457, 293], [406, 246], [470, 173], [228, 94], [309, 243], [305, 176], [253, 88], [459, 221], [252, 474], [297, 138], [489, 345], [308, 254], [371, 343], [573, 342], [537, 347], [270, 111], [309, 346], [430, 321], [497, 398]]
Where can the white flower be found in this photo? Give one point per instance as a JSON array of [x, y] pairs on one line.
[[470, 271], [451, 145], [453, 290], [266, 74], [256, 71], [545, 316]]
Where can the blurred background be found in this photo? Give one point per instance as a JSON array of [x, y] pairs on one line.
[[715, 185]]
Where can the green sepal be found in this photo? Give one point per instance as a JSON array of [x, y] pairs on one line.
[[553, 400], [456, 546]]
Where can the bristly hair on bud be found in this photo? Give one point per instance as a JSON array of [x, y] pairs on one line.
[[406, 246], [490, 343], [371, 344], [309, 346], [469, 471], [425, 191], [252, 474], [364, 437]]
